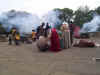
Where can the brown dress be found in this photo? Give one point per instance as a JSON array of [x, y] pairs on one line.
[[66, 36]]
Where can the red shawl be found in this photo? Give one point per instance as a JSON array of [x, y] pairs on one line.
[[55, 42]]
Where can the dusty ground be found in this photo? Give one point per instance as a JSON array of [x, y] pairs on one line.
[[27, 60]]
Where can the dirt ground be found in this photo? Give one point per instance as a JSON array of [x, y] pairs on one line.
[[27, 60]]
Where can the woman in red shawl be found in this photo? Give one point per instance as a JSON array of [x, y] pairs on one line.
[[55, 42]]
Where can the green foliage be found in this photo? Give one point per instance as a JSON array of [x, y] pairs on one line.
[[82, 16], [66, 14]]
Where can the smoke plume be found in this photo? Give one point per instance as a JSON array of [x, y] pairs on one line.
[[52, 17], [24, 21], [92, 26]]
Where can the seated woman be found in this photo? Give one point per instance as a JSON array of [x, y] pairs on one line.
[[42, 44]]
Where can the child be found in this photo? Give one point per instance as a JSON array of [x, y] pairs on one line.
[[10, 39], [33, 35]]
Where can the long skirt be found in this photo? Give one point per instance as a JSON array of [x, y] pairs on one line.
[[66, 39], [61, 43]]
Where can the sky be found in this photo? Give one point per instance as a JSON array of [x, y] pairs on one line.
[[41, 7]]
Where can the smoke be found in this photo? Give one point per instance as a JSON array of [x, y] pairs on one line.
[[52, 17], [92, 26], [23, 21]]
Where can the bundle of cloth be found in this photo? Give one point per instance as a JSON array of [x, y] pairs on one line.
[[84, 43], [43, 44]]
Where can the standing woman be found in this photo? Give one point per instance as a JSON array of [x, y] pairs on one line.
[[55, 42], [66, 35]]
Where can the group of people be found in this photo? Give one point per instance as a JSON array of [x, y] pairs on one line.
[[53, 39], [47, 38]]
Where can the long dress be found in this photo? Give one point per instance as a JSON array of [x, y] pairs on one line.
[[55, 42], [66, 36]]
